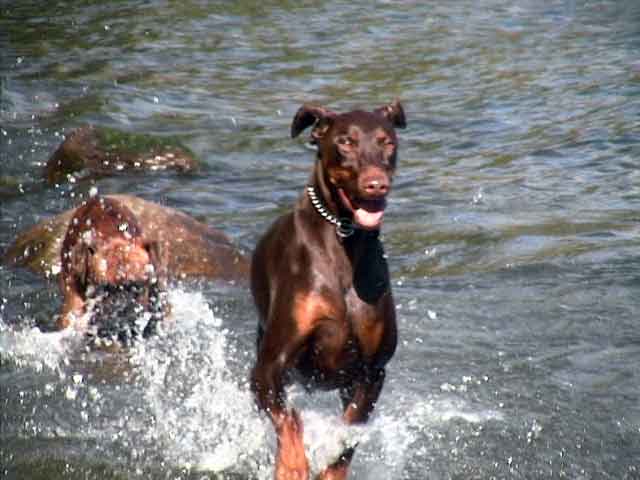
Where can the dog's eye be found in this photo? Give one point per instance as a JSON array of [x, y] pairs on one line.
[[386, 142]]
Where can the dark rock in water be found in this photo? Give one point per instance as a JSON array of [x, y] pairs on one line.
[[100, 151]]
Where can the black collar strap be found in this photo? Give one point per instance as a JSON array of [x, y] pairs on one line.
[[344, 226]]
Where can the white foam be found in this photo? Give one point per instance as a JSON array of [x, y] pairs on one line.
[[326, 436], [435, 411], [204, 413], [33, 348]]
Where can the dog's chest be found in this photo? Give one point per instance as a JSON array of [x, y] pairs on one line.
[[366, 324], [343, 347]]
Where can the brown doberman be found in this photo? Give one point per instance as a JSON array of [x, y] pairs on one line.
[[320, 281]]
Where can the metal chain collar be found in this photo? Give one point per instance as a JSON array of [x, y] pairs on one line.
[[344, 226]]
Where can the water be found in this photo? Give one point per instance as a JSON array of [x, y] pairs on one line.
[[512, 231]]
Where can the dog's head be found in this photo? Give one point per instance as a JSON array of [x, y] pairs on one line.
[[357, 152], [107, 263], [104, 246]]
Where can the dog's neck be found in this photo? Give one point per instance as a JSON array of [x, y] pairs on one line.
[[362, 247], [321, 196], [328, 192]]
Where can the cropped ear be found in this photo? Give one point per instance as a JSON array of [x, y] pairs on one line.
[[308, 115], [394, 113]]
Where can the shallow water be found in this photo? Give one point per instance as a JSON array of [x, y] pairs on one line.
[[512, 231]]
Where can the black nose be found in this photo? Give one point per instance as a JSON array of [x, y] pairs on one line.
[[376, 186]]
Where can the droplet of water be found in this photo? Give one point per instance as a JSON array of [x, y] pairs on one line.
[[478, 197], [70, 393]]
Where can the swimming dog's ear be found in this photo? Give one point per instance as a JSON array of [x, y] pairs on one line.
[[394, 113], [154, 250], [309, 114], [80, 258]]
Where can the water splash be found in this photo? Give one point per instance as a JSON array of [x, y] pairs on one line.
[[181, 402], [204, 411], [31, 348], [206, 419]]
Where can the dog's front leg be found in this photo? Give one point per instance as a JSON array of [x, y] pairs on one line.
[[358, 401], [274, 357], [291, 460]]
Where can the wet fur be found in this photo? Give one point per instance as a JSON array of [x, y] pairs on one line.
[[107, 266], [327, 317]]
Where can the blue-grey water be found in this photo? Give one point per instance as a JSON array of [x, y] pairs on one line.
[[512, 231]]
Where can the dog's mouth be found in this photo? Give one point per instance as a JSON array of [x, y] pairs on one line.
[[123, 313], [367, 212]]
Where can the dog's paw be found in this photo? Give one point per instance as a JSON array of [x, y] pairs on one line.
[[334, 472], [286, 473]]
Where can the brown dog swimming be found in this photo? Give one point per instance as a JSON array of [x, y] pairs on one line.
[[179, 248], [107, 264], [191, 250], [320, 281]]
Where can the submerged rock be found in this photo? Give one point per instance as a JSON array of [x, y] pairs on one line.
[[101, 151], [189, 249]]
